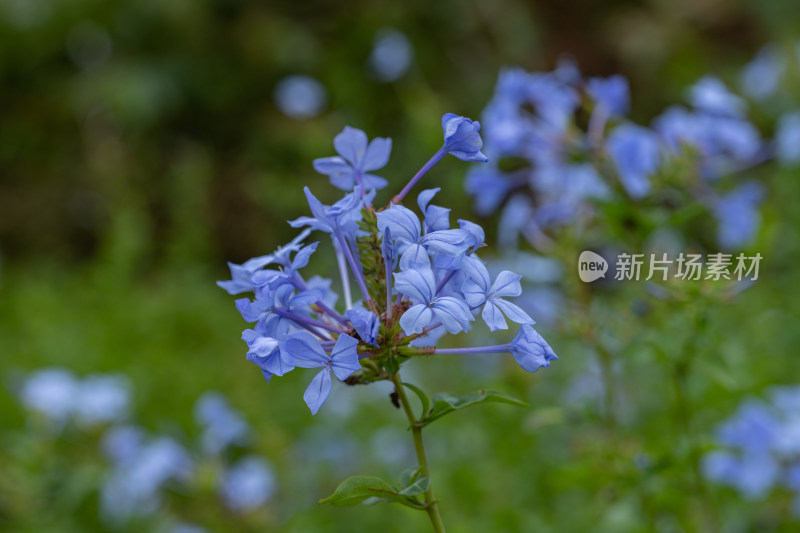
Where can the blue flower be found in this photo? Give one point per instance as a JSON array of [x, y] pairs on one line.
[[306, 352], [435, 218], [787, 139], [710, 95], [52, 392], [461, 138], [420, 286], [355, 160], [366, 323], [477, 292], [102, 398], [264, 352], [612, 93], [342, 216], [760, 77], [222, 425], [241, 275], [737, 215], [489, 187], [635, 152], [530, 350], [407, 233], [248, 484]]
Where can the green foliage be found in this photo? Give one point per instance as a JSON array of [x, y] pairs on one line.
[[445, 403], [360, 489]]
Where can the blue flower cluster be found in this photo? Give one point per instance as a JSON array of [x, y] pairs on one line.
[[59, 396], [760, 447], [549, 165], [418, 277], [143, 465]]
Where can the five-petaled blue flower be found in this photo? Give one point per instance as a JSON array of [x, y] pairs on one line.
[[477, 292], [429, 309], [306, 352], [356, 159]]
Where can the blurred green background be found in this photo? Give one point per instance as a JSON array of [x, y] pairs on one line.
[[141, 148]]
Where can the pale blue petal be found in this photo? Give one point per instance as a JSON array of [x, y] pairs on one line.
[[417, 284], [303, 350], [331, 166], [425, 197], [351, 144], [414, 257], [474, 294], [514, 312], [453, 313], [493, 317], [416, 318], [301, 258], [318, 390], [345, 357], [377, 154], [403, 223], [373, 182], [506, 284]]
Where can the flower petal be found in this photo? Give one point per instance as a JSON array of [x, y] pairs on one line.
[[506, 284], [351, 144], [345, 357], [415, 319], [318, 390], [493, 317], [377, 154], [514, 312], [303, 350]]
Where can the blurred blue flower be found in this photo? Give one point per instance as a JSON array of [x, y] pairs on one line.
[[612, 93], [710, 95], [132, 488], [300, 97], [248, 484], [222, 426], [122, 444], [461, 138], [51, 392], [306, 352], [635, 152], [102, 398], [489, 187], [787, 139], [737, 215], [760, 78], [356, 159], [530, 350], [391, 55]]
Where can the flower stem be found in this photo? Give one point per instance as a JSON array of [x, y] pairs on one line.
[[425, 168], [355, 267], [431, 505], [498, 348]]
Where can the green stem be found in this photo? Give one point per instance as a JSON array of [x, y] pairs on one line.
[[431, 505]]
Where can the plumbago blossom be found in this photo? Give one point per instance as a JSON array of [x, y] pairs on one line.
[[548, 170], [418, 276], [758, 448]]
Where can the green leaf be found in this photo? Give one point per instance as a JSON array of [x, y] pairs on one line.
[[444, 403], [408, 477], [356, 489], [426, 402], [418, 487]]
